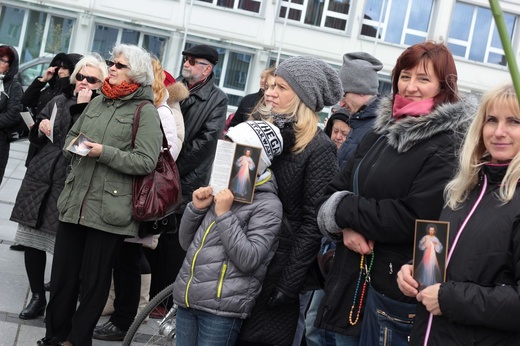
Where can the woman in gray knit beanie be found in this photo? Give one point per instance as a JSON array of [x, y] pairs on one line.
[[304, 85]]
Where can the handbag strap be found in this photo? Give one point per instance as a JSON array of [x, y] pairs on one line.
[[135, 126]]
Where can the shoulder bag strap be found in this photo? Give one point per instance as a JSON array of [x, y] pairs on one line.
[[137, 116]]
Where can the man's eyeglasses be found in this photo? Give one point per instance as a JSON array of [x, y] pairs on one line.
[[118, 65], [90, 79], [192, 61], [4, 62]]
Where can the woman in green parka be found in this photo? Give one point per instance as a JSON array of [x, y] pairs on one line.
[[96, 203]]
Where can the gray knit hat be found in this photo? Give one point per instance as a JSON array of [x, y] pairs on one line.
[[313, 80], [359, 73]]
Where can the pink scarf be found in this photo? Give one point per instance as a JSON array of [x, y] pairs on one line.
[[404, 107]]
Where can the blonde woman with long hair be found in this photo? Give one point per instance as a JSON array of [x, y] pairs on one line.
[[479, 302], [303, 86]]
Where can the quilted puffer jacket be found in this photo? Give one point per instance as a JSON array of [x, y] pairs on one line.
[[42, 184], [302, 179], [227, 256]]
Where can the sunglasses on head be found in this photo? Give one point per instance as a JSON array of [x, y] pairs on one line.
[[192, 61], [90, 79], [118, 65]]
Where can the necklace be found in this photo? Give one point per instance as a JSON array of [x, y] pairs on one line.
[[363, 271]]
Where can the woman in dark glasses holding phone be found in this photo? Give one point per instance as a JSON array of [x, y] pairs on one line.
[[95, 206]]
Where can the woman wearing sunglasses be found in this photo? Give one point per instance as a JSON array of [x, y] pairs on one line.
[[35, 208], [95, 206]]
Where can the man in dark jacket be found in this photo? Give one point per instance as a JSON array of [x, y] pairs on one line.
[[360, 83], [204, 113]]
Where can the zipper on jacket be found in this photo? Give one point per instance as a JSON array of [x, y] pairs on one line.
[[221, 281], [192, 266], [395, 319]]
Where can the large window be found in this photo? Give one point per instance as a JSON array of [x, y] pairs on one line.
[[473, 34], [246, 5], [321, 13], [403, 22], [35, 33], [231, 72], [107, 37]]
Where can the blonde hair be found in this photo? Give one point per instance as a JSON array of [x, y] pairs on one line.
[[305, 121], [158, 87], [473, 150]]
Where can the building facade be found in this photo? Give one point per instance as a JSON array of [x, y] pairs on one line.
[[251, 35]]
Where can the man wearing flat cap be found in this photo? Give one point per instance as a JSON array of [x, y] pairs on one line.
[[204, 113], [360, 83]]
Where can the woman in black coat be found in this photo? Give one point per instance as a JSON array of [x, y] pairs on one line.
[[10, 106], [303, 86], [396, 176], [35, 208], [479, 303]]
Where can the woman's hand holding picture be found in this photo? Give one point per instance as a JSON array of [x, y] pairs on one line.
[[407, 284], [430, 299], [95, 149], [45, 127], [202, 197], [223, 201]]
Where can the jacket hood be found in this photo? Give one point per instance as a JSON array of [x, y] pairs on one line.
[[68, 60], [404, 133], [13, 67], [177, 93], [268, 186]]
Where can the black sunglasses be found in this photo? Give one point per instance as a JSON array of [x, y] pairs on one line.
[[118, 65], [90, 79], [192, 61]]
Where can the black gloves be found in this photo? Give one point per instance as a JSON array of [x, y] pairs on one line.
[[278, 298]]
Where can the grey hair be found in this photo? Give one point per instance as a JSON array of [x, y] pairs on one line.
[[93, 60], [139, 61]]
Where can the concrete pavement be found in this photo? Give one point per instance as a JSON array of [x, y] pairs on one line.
[[14, 285]]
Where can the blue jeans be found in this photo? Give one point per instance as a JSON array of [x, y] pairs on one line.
[[347, 340], [316, 336], [199, 328]]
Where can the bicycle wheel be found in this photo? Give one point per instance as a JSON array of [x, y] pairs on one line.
[[144, 331]]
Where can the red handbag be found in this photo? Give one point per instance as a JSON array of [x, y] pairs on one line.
[[159, 193]]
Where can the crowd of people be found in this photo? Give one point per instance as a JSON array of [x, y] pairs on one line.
[[252, 273]]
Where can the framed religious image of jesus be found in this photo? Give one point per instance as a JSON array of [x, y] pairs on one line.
[[430, 251]]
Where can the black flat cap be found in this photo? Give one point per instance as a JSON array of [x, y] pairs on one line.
[[203, 51]]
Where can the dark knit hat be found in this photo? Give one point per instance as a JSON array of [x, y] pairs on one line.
[[341, 114], [203, 51], [313, 80], [359, 73]]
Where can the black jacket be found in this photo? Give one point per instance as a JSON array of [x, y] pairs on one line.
[[360, 123], [301, 181], [480, 300], [43, 182], [401, 179], [204, 113], [245, 107], [10, 104]]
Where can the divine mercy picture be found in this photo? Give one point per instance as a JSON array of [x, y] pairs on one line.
[[429, 260]]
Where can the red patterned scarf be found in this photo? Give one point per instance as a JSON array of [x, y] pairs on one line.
[[117, 91]]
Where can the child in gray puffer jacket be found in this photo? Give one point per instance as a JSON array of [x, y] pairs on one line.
[[229, 245]]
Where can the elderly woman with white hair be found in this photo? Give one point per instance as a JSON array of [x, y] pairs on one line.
[[95, 207]]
